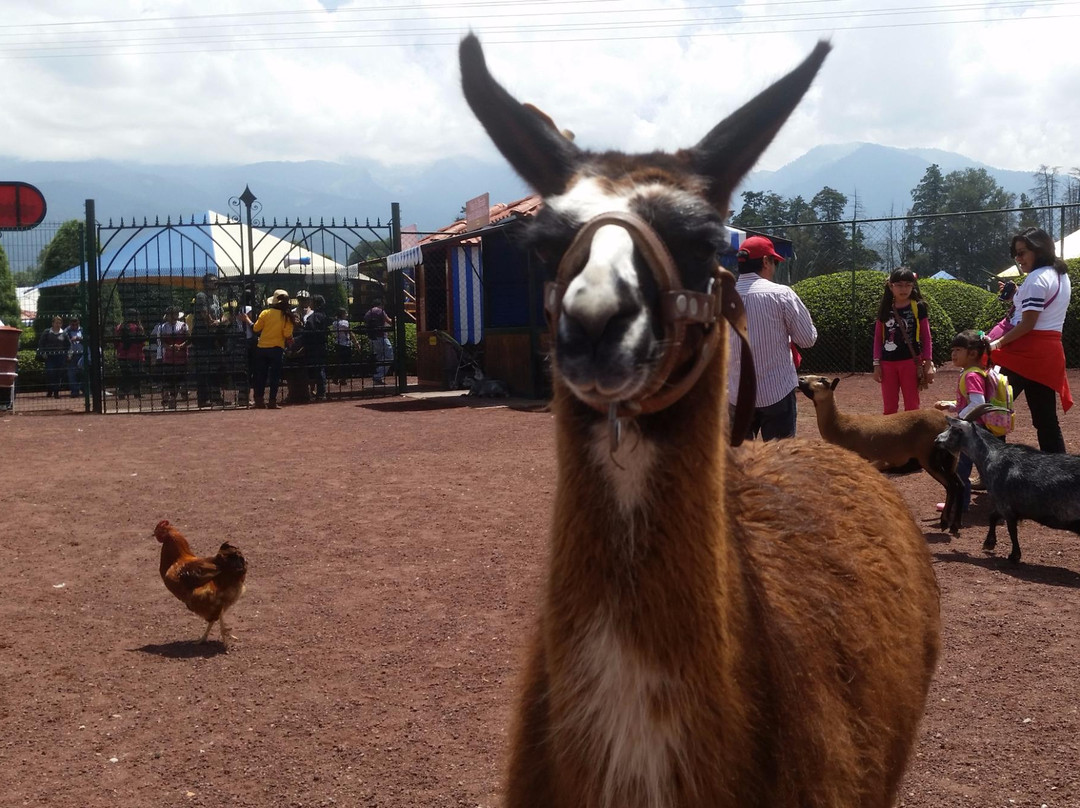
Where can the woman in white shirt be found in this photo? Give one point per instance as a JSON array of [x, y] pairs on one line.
[[1030, 353]]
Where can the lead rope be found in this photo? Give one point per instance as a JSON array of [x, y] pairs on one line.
[[745, 401]]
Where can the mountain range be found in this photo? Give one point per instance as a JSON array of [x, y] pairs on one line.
[[879, 177], [430, 197]]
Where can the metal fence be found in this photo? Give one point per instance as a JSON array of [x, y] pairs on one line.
[[131, 274], [839, 270], [144, 268]]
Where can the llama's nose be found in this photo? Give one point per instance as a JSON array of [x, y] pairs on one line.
[[587, 310], [602, 292]]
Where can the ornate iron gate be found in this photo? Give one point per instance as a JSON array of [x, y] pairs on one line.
[[168, 302]]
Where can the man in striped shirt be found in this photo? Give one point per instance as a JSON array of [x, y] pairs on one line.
[[776, 318]]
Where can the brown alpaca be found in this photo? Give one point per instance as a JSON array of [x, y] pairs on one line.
[[721, 627], [890, 441]]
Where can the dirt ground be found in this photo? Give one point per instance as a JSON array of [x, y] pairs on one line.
[[395, 550]]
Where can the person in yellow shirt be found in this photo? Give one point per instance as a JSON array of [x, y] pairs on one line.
[[275, 330]]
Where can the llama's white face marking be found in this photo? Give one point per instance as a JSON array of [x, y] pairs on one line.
[[614, 712], [628, 470], [605, 342]]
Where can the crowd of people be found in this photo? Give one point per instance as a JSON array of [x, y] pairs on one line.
[[222, 353], [1024, 350]]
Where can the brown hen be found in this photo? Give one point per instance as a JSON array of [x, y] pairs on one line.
[[207, 586]]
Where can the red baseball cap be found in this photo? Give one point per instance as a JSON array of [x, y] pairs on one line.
[[758, 247]]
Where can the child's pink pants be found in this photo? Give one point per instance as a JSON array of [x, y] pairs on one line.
[[896, 376]]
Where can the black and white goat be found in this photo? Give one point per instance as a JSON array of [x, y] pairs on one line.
[[1023, 483]]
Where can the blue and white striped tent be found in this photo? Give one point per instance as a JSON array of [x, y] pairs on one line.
[[467, 281]]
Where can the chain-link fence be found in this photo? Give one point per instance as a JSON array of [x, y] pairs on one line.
[[839, 269], [49, 364]]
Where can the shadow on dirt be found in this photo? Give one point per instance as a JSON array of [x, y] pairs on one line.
[[1034, 573], [452, 402], [937, 536], [184, 649]]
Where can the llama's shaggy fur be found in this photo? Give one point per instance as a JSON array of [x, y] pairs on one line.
[[720, 627]]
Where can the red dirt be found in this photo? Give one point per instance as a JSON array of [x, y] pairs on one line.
[[395, 551]]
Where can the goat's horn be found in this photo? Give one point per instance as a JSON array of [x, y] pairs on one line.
[[981, 410]]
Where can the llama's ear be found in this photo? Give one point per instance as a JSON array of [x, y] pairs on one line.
[[531, 144], [835, 382], [728, 152]]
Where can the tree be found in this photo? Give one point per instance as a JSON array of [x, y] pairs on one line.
[[926, 236], [973, 244], [968, 247], [26, 277], [1029, 217], [1045, 193], [762, 209], [10, 310], [832, 239], [371, 251], [63, 252], [1072, 199], [368, 250]]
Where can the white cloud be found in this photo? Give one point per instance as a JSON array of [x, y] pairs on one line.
[[359, 80]]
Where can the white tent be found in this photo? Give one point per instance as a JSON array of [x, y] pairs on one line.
[[1068, 247], [28, 300]]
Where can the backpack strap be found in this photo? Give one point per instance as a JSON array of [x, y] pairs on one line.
[[964, 374]]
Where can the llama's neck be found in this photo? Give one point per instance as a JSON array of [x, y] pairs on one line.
[[832, 424], [638, 525]]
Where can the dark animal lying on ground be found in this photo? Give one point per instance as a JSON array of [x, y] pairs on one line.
[[1023, 483], [482, 387]]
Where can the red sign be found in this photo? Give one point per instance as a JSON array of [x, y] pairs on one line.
[[477, 213], [22, 206], [409, 236]]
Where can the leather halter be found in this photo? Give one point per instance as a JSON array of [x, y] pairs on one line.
[[680, 308]]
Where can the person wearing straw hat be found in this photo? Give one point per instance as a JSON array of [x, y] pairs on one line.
[[275, 329]]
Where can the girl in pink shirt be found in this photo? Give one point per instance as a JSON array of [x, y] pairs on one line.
[[902, 341], [975, 386]]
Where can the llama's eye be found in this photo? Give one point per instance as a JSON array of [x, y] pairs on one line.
[[702, 252]]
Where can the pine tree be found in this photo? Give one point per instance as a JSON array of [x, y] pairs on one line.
[[10, 310]]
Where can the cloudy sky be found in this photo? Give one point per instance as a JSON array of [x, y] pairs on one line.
[[236, 81]]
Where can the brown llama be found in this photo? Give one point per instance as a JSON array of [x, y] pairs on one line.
[[751, 626]]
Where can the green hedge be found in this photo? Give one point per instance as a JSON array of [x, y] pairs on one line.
[[1070, 335], [828, 298], [953, 306], [968, 306]]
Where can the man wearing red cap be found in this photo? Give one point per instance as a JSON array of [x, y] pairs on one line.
[[776, 318]]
